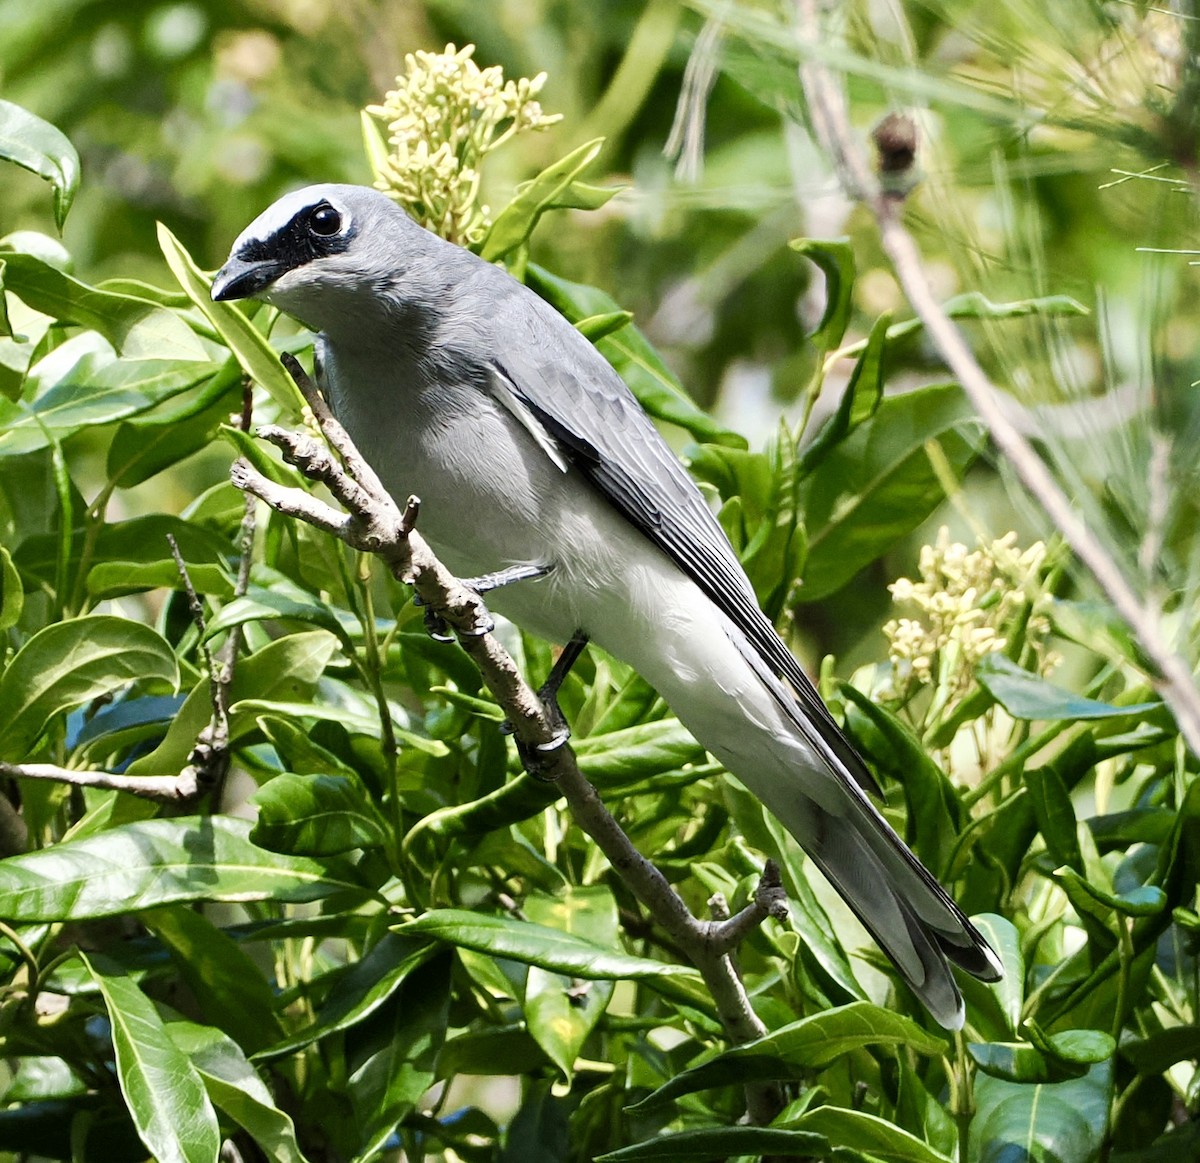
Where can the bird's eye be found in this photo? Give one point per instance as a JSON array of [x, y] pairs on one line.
[[325, 220]]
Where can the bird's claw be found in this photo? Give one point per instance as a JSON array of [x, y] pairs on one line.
[[537, 758], [436, 626]]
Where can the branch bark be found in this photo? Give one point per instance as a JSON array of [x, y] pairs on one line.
[[374, 523], [1174, 679]]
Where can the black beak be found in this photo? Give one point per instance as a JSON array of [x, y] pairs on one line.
[[239, 279]]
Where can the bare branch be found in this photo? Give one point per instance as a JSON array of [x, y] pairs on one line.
[[163, 788], [831, 123], [375, 524]]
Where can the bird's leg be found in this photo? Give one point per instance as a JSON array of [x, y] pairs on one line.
[[485, 583], [534, 757], [435, 625]]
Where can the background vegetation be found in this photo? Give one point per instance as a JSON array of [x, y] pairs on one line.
[[307, 965]]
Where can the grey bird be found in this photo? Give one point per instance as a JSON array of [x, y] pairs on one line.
[[538, 470]]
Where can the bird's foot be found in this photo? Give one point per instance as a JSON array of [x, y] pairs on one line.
[[538, 758]]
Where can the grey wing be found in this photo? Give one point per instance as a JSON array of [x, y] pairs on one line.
[[590, 414]]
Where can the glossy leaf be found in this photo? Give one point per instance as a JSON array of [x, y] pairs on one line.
[[1055, 815], [535, 945], [235, 1088], [39, 147], [835, 258], [393, 1061], [229, 987], [1054, 1122], [878, 485], [1162, 1049], [262, 605], [796, 1050], [157, 862], [562, 1012], [253, 352], [516, 222], [12, 593], [860, 401], [288, 668], [317, 815], [360, 990], [1026, 696], [68, 664], [875, 1137], [165, 1094], [137, 328], [718, 1143], [97, 390]]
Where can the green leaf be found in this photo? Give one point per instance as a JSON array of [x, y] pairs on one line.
[[165, 1094], [932, 823], [535, 945], [860, 401], [615, 759], [1161, 1050], [717, 1143], [139, 451], [1045, 1058], [595, 327], [157, 862], [561, 1013], [235, 1088], [286, 669], [137, 328], [1092, 900], [317, 815], [360, 990], [1015, 1062], [230, 989], [516, 222], [12, 593], [36, 145], [1055, 815], [1026, 696], [1000, 1001], [1052, 1122], [835, 257], [393, 1061], [115, 579], [794, 1051], [142, 539], [875, 1137], [70, 663], [97, 390], [877, 485], [253, 352], [633, 358], [264, 605]]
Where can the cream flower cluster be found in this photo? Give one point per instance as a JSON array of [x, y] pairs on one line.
[[444, 116], [965, 605]]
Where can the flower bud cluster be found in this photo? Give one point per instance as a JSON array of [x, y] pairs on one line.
[[444, 116]]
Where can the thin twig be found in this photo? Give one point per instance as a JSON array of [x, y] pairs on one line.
[[375, 524], [831, 124], [164, 788]]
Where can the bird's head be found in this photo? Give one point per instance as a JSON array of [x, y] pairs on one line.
[[320, 253]]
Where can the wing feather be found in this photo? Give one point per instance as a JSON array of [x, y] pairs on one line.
[[591, 416]]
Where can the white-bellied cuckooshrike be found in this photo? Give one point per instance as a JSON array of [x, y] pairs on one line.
[[535, 465]]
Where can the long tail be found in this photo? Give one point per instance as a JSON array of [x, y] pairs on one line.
[[897, 899]]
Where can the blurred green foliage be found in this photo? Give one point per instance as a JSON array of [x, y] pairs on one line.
[[410, 948]]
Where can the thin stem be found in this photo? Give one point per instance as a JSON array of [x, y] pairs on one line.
[[1173, 678]]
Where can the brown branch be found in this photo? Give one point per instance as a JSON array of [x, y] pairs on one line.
[[376, 525], [831, 124]]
